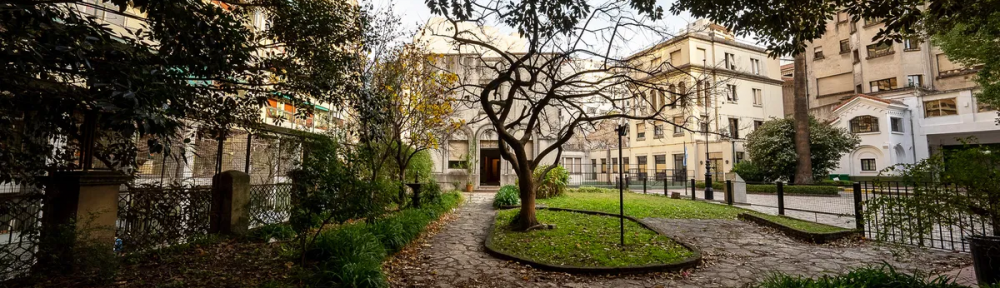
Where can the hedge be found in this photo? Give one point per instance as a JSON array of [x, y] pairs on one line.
[[793, 189], [716, 185]]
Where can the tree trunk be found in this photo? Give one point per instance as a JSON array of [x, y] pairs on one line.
[[402, 188], [526, 217], [803, 171]]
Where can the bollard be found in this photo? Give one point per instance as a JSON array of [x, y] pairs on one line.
[[693, 189], [858, 217], [644, 185], [729, 192], [781, 198]]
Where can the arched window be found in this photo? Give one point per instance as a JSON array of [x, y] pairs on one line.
[[652, 98], [682, 90], [698, 93], [864, 124], [673, 95]]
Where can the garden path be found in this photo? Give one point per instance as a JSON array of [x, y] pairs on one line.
[[735, 253]]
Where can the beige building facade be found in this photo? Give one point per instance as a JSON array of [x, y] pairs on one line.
[[905, 100]]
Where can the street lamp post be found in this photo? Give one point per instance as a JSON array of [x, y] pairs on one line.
[[709, 194], [622, 130]]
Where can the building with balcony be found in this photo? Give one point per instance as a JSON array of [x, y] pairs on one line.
[[714, 83], [905, 100]]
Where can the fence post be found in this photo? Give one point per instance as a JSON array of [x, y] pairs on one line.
[[729, 192], [781, 198], [644, 184], [693, 189], [665, 193], [858, 217], [246, 169], [230, 201], [85, 201]]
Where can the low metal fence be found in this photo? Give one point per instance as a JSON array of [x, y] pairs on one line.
[[270, 204], [153, 217], [886, 225], [20, 222]]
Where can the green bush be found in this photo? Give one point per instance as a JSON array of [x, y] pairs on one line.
[[794, 189], [349, 256], [390, 233], [828, 182], [508, 195], [589, 189], [280, 231], [884, 276], [554, 183], [716, 185], [430, 192], [750, 172]]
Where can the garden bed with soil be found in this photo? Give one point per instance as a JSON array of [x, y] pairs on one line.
[[588, 242]]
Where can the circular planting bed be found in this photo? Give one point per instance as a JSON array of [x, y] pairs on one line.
[[588, 242]]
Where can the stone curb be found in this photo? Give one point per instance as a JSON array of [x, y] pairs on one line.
[[817, 238], [689, 262]]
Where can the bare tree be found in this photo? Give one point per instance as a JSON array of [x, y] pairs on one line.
[[540, 88]]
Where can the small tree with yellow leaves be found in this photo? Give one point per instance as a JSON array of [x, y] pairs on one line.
[[419, 110]]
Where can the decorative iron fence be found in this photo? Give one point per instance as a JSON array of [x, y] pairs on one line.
[[20, 222], [153, 217], [884, 225], [270, 204]]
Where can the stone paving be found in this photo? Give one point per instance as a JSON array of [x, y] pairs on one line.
[[736, 254]]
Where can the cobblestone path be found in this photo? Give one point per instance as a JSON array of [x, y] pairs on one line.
[[736, 253]]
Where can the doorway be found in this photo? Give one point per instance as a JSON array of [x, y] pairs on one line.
[[490, 167]]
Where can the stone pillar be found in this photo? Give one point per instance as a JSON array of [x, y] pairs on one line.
[[739, 188], [230, 198], [86, 202]]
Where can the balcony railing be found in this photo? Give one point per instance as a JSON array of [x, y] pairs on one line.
[[880, 53]]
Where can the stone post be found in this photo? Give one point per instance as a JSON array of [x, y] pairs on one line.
[[739, 189], [87, 202], [230, 201]]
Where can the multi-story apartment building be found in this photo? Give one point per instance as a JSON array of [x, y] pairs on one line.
[[905, 100], [732, 88]]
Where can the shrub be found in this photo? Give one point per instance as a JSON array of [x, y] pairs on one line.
[[593, 190], [750, 172], [350, 256], [508, 195], [884, 276], [430, 192], [554, 183], [828, 182], [265, 233], [771, 146], [390, 233], [716, 185], [793, 189]]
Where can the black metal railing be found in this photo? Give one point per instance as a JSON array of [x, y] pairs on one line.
[[889, 226], [20, 222], [269, 204], [153, 217]]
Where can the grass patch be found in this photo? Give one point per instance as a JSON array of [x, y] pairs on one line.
[[585, 240], [802, 225], [643, 206]]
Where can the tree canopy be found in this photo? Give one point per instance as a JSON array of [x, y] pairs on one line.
[[771, 146]]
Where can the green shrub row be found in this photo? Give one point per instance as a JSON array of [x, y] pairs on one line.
[[352, 255], [884, 276], [507, 196], [588, 189], [717, 185], [828, 182], [793, 189]]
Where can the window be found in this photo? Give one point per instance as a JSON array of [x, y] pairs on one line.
[[457, 151], [658, 131], [652, 99], [818, 53], [678, 125], [731, 92], [842, 16], [882, 85], [679, 166], [872, 21], [864, 124], [640, 131], [708, 93], [739, 157], [755, 66], [867, 164], [673, 96], [593, 167], [734, 128], [914, 81], [879, 49], [625, 164], [682, 90], [911, 44], [614, 165], [675, 58], [857, 58], [758, 97], [942, 107], [854, 27], [604, 165], [653, 63], [857, 89], [704, 127], [896, 124], [641, 161], [661, 164], [698, 92], [663, 96], [730, 61], [757, 124], [845, 46]]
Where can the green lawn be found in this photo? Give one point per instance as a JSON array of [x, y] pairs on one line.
[[585, 240], [797, 224], [643, 206]]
